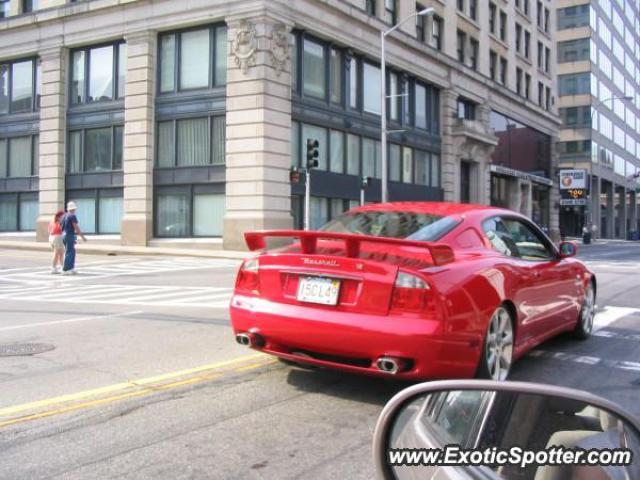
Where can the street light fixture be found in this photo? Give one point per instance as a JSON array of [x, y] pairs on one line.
[[383, 90], [595, 107]]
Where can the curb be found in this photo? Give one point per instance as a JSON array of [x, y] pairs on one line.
[[124, 250]]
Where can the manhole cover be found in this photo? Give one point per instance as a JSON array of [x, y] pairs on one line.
[[22, 349]]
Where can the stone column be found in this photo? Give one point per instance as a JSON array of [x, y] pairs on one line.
[[622, 212], [137, 223], [258, 144], [610, 212], [633, 210], [450, 162], [53, 113], [594, 199]]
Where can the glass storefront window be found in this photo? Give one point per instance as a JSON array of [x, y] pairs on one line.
[[3, 158], [86, 214], [421, 160], [314, 67], [435, 170], [420, 106], [28, 213], [200, 141], [368, 157], [172, 219], [208, 214], [118, 137], [218, 139], [4, 89], [122, 69], [110, 214], [75, 152], [353, 83], [194, 59], [407, 165], [166, 152], [395, 163], [336, 76], [8, 213], [220, 74], [318, 212]]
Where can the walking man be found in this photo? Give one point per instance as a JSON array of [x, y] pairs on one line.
[[70, 229]]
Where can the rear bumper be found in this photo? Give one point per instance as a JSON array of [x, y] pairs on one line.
[[353, 342]]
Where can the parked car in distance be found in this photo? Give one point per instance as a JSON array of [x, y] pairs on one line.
[[412, 290]]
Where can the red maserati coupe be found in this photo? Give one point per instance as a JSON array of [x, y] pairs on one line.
[[411, 290]]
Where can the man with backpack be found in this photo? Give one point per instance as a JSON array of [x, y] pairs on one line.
[[70, 229]]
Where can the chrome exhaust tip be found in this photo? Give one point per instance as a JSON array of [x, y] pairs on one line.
[[390, 365], [250, 339], [243, 339]]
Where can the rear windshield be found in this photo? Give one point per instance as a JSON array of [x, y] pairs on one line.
[[406, 225]]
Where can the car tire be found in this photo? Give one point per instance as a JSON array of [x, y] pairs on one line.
[[497, 352], [584, 327]]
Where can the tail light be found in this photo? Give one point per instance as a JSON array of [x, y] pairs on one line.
[[409, 293], [248, 278]]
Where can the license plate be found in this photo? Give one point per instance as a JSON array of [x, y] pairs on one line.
[[318, 290]]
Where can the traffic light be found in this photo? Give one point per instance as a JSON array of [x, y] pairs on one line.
[[312, 153]]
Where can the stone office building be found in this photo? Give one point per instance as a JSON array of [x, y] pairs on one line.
[[166, 119]]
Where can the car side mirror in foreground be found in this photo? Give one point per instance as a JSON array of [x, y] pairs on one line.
[[476, 429], [568, 249]]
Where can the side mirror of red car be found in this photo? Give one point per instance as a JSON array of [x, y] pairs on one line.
[[568, 249]]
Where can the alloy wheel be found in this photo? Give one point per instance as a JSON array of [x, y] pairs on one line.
[[499, 349], [588, 309]]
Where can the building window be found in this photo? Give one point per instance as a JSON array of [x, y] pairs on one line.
[[527, 85], [546, 20], [30, 6], [503, 70], [473, 53], [191, 142], [371, 89], [540, 94], [193, 59], [394, 96], [353, 83], [570, 17], [462, 40], [460, 4], [98, 73], [492, 17], [19, 156], [547, 59], [518, 38], [18, 211], [540, 55], [19, 86], [407, 165], [353, 154], [547, 105], [336, 76], [466, 109], [519, 81], [370, 7], [99, 211], [493, 61], [527, 44], [395, 163], [574, 84], [313, 65], [189, 211], [5, 8], [436, 32], [576, 116], [95, 150], [420, 24], [503, 26], [539, 12], [574, 50], [390, 12], [337, 151], [473, 9], [525, 5]]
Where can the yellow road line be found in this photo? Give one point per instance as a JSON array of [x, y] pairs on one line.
[[147, 381]]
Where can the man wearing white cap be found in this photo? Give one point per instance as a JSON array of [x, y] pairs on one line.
[[70, 229]]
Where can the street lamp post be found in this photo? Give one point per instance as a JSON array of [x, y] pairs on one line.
[[383, 97], [595, 107]]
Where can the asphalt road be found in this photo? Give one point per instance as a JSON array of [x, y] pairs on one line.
[[141, 378]]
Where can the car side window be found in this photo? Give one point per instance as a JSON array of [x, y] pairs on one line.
[[529, 243], [500, 237]]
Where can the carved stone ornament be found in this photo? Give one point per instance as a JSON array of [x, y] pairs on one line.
[[279, 51], [244, 46]]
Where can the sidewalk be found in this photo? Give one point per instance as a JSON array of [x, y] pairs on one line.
[[603, 241], [113, 249]]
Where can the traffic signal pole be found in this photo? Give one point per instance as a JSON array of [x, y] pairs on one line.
[[307, 197]]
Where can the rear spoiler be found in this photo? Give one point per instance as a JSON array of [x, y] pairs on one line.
[[440, 253]]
